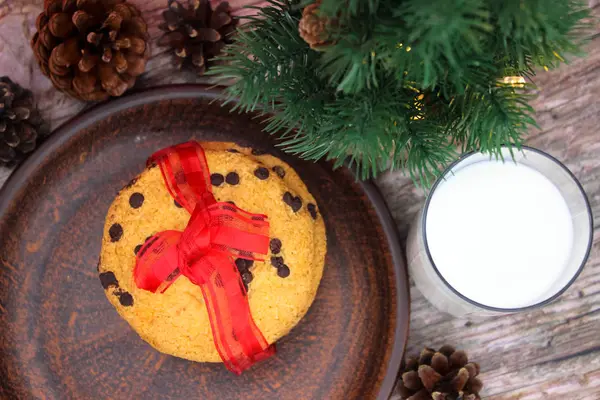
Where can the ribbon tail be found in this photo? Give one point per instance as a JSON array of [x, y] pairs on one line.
[[236, 336]]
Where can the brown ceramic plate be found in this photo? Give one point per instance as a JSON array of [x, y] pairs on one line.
[[61, 339]]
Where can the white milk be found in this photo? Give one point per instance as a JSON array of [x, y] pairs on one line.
[[499, 233]]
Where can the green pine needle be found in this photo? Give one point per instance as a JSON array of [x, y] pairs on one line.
[[404, 82]]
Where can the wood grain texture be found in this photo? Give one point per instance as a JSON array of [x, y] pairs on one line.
[[61, 339], [553, 353]]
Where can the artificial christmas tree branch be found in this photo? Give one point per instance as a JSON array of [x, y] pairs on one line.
[[398, 83]]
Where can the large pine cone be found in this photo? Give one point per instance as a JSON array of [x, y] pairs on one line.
[[313, 27], [445, 374], [21, 126], [91, 49], [196, 33]]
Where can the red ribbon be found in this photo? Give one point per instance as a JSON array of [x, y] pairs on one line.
[[204, 253]]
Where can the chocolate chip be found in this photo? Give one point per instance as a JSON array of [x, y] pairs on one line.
[[249, 263], [231, 202], [277, 262], [125, 298], [283, 271], [256, 152], [261, 173], [294, 202], [152, 165], [108, 279], [232, 151], [232, 178], [137, 249], [216, 179], [279, 171], [148, 238], [312, 209], [247, 277], [115, 232], [177, 204], [136, 200], [275, 246], [241, 265]]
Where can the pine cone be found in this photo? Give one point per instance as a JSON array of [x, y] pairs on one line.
[[196, 33], [21, 126], [91, 49], [445, 374], [313, 27]]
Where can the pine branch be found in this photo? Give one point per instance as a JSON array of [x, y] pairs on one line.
[[488, 120], [403, 83], [437, 42], [538, 32]]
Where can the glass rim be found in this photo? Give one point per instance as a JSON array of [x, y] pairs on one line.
[[544, 302]]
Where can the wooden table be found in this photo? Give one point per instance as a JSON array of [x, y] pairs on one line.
[[552, 353]]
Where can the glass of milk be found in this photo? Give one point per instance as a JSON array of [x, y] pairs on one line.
[[500, 236]]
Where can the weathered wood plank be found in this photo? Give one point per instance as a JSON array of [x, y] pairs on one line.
[[552, 353]]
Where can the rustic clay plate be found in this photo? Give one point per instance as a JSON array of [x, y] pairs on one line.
[[61, 339]]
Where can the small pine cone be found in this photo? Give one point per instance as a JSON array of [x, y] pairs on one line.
[[197, 33], [445, 374], [314, 27], [21, 127], [91, 49]]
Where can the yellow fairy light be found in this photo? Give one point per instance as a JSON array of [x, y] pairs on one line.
[[514, 81], [558, 56], [408, 48], [419, 106]]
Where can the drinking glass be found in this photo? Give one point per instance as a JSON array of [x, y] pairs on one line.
[[442, 294]]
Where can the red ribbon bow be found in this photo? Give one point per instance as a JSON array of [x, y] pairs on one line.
[[204, 253]]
